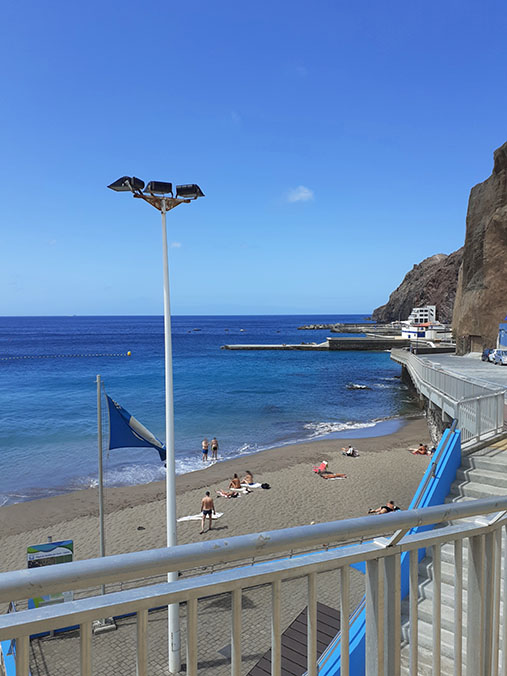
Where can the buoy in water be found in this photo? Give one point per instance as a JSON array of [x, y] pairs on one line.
[[129, 353]]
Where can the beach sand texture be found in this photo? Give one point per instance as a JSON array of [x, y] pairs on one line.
[[135, 520]]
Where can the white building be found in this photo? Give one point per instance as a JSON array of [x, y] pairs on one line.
[[423, 315]]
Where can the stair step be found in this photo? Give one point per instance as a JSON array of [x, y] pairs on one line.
[[425, 663], [480, 476], [425, 636], [483, 476], [496, 461], [478, 491]]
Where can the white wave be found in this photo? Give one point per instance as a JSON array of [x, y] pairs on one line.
[[357, 386], [323, 428], [126, 475]]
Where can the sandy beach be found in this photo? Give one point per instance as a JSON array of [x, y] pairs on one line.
[[135, 515]]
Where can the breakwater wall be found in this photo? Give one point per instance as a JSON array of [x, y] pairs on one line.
[[331, 344]]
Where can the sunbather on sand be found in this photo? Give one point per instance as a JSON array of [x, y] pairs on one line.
[[227, 494], [235, 483], [322, 468], [351, 452], [248, 478], [422, 449], [329, 475], [385, 509]]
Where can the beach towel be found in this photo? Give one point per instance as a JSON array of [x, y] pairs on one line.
[[254, 485], [198, 517]]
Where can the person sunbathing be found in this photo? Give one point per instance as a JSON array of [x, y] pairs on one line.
[[329, 475], [350, 452], [322, 468], [422, 449], [235, 483], [248, 478], [226, 494], [385, 509]]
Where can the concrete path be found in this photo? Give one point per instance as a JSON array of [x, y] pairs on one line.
[[471, 366]]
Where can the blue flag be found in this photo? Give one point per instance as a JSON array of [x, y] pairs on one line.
[[127, 432]]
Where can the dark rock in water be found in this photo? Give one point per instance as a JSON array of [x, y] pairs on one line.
[[355, 386], [482, 286], [431, 282]]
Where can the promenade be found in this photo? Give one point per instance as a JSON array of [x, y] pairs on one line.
[[471, 366]]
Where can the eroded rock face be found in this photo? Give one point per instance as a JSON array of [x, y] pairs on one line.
[[481, 297], [431, 282]]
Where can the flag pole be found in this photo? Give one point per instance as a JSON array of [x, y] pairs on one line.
[[101, 474]]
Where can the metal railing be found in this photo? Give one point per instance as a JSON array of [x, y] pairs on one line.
[[479, 409], [382, 557]]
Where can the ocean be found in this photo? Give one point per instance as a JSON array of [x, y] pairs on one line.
[[249, 400]]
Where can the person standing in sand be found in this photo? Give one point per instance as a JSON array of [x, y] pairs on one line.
[[208, 509], [214, 449], [205, 447]]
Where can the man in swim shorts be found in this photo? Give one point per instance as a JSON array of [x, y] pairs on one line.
[[207, 508], [205, 446], [214, 449]]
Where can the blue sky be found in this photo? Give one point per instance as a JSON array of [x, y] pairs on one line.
[[336, 143]]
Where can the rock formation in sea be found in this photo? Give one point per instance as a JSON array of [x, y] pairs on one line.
[[481, 298], [431, 282]]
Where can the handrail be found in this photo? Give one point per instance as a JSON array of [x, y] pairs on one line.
[[79, 574], [434, 462]]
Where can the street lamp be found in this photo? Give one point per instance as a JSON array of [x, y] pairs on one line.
[[160, 195]]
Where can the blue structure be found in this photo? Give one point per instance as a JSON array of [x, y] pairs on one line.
[[502, 336], [431, 491]]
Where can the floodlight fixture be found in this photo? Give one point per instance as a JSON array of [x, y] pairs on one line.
[[189, 191], [159, 188], [127, 184]]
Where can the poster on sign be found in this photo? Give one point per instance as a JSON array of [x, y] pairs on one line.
[[49, 554]]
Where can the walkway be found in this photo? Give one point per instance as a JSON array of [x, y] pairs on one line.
[[471, 366]]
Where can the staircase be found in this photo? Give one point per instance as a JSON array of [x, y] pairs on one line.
[[481, 475]]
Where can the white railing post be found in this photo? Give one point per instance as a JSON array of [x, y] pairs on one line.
[[142, 647], [374, 620], [312, 625], [236, 633], [276, 631], [496, 600], [344, 619], [458, 607], [22, 655], [413, 600], [192, 637], [392, 614], [437, 607], [475, 609], [489, 563], [86, 649]]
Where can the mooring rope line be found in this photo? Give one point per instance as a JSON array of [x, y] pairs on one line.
[[65, 356]]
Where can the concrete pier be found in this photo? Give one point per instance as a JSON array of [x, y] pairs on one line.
[[332, 343], [302, 346]]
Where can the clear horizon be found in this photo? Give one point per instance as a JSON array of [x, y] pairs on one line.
[[336, 149]]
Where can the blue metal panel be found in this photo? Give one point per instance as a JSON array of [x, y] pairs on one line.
[[434, 494]]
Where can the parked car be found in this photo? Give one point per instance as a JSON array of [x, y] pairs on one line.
[[500, 357], [485, 354]]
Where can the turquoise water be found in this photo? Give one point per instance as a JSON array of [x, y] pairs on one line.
[[249, 400]]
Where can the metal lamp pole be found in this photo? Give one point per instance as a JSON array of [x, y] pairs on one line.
[[156, 194], [173, 611]]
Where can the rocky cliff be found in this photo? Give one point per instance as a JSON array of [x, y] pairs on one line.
[[431, 282], [481, 298]]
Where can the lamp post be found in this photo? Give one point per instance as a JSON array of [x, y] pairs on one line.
[[160, 195]]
